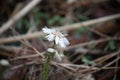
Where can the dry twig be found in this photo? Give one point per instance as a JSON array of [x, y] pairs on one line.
[[66, 27], [73, 46], [19, 15]]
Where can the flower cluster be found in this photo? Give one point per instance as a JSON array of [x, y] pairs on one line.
[[58, 38]]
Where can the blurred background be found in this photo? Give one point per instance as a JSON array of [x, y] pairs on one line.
[[93, 53]]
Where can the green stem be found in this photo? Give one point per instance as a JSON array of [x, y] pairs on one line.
[[45, 71], [46, 66]]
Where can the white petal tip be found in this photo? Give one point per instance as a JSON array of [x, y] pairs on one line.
[[4, 62], [51, 50]]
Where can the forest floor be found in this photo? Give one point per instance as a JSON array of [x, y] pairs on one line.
[[91, 27]]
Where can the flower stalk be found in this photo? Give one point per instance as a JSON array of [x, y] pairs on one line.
[[59, 40], [46, 66]]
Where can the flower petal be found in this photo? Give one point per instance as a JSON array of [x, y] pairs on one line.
[[66, 42], [47, 30], [61, 43], [57, 39], [51, 50], [50, 37], [57, 56]]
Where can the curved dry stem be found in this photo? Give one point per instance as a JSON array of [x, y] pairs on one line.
[[19, 15], [66, 27]]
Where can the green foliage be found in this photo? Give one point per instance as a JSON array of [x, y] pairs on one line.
[[56, 19], [86, 60], [39, 15], [79, 31], [51, 20], [27, 23], [23, 22], [23, 25], [111, 45], [19, 24], [83, 18]]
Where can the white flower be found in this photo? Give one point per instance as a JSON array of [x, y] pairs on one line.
[[57, 55], [58, 37], [4, 62]]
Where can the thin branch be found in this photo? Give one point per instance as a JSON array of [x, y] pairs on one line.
[[90, 22], [19, 15], [66, 27], [70, 47], [93, 42], [116, 65]]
